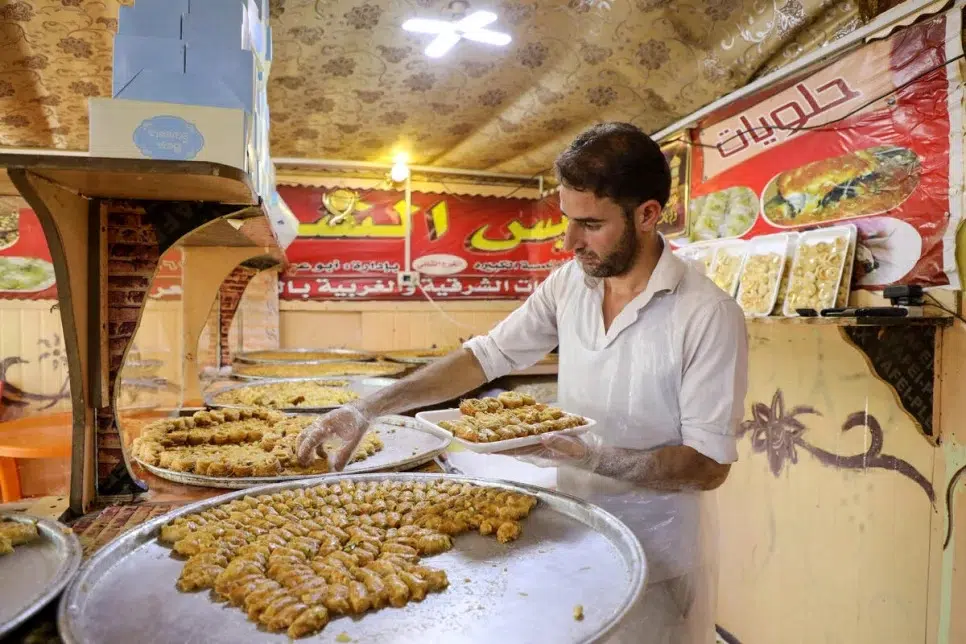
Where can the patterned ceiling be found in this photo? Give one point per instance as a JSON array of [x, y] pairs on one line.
[[348, 83]]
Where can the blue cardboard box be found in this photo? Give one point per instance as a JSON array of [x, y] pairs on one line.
[[234, 68], [186, 88], [167, 131], [135, 53], [218, 23], [157, 22]]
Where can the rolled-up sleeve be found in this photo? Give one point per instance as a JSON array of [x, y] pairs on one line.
[[523, 337], [715, 381]]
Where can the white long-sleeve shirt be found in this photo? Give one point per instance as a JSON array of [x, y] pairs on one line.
[[672, 369]]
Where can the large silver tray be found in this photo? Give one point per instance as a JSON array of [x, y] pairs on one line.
[[392, 369], [407, 444], [35, 573], [402, 358], [345, 355], [361, 386], [571, 553]]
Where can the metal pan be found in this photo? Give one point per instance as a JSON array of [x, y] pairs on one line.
[[571, 553], [389, 369], [35, 573], [407, 444], [414, 357], [304, 356], [361, 386]]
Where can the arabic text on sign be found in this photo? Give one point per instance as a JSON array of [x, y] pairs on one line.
[[542, 230], [786, 119], [360, 225]]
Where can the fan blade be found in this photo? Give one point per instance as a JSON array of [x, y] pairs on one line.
[[441, 44], [488, 37], [427, 26], [475, 21]]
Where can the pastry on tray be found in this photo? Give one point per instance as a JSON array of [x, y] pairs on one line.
[[16, 533], [298, 558], [297, 370], [307, 355], [418, 354], [507, 416], [289, 395], [234, 443]]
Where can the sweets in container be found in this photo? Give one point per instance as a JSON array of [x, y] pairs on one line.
[[817, 269]]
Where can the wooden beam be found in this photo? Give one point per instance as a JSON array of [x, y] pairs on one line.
[[64, 217], [205, 268]]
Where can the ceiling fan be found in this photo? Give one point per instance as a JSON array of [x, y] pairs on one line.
[[449, 33]]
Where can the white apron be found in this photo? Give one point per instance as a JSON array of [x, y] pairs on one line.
[[631, 390]]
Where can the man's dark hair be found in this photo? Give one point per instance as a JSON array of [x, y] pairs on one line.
[[616, 160]]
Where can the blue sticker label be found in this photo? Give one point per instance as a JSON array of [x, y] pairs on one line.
[[170, 138]]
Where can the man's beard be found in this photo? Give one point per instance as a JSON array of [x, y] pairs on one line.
[[618, 261]]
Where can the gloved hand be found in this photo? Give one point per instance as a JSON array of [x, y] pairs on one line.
[[339, 431], [576, 450]]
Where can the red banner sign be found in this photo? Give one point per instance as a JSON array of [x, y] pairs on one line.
[[353, 245], [27, 270], [874, 140]]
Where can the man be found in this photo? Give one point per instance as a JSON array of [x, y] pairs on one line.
[[649, 348]]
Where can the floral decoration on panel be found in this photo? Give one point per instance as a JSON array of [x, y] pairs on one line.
[[52, 351], [653, 54], [779, 433], [608, 53], [364, 17], [17, 12]]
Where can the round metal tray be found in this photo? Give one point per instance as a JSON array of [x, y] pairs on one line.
[[570, 553], [344, 355], [407, 444], [361, 386], [391, 369], [402, 357], [35, 573]]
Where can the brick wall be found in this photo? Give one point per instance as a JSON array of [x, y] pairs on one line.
[[230, 296], [133, 254]]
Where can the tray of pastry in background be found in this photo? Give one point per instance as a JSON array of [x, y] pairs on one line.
[[761, 274], [38, 557], [290, 370], [817, 269], [507, 421], [315, 356], [729, 258], [418, 356], [296, 395], [241, 448]]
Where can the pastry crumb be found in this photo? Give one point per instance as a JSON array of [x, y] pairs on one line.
[[343, 637], [579, 612]]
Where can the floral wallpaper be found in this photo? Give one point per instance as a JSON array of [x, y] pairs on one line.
[[348, 83]]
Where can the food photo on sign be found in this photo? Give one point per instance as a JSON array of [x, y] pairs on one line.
[[26, 269], [868, 147], [352, 244]]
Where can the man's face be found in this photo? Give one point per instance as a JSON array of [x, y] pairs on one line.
[[603, 238]]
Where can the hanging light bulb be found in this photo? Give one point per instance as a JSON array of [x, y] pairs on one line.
[[400, 168]]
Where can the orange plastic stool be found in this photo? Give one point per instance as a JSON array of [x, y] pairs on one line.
[[46, 436]]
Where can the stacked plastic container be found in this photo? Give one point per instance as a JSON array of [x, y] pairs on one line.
[[190, 83]]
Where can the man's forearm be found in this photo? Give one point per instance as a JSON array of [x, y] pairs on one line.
[[445, 379], [674, 468]]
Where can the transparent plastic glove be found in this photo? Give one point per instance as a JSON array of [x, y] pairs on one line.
[[576, 450], [339, 432]]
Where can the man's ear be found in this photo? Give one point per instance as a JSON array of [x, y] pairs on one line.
[[647, 215]]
